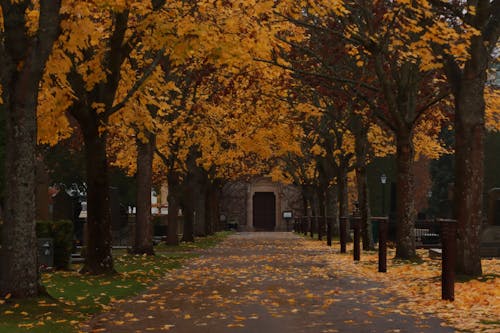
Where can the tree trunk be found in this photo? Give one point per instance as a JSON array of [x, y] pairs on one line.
[[200, 213], [187, 205], [304, 201], [361, 147], [209, 221], [343, 199], [173, 209], [23, 58], [212, 207], [469, 157], [405, 242], [321, 211], [19, 270], [364, 209], [98, 257], [42, 186], [143, 229], [331, 211]]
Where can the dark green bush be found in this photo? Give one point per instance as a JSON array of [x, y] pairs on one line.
[[62, 234]]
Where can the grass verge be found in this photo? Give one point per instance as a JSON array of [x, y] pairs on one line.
[[75, 297]]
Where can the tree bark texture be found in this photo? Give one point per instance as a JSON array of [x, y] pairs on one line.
[[212, 207], [23, 58], [405, 210], [209, 221], [331, 210], [343, 192], [200, 216], [42, 186], [361, 150], [173, 208], [98, 257], [469, 170], [321, 211], [304, 201], [187, 204], [143, 243]]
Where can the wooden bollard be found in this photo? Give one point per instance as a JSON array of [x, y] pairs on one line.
[[343, 233], [448, 258]]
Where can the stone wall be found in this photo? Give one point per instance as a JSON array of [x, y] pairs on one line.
[[237, 202], [233, 203]]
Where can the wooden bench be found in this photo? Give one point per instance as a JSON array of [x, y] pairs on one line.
[[427, 234]]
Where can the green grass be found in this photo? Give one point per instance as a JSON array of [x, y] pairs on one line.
[[75, 297]]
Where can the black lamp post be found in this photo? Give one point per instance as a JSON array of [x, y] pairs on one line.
[[383, 180]]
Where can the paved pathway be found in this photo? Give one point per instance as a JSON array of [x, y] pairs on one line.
[[261, 282]]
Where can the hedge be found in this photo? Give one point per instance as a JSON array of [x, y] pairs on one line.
[[62, 234]]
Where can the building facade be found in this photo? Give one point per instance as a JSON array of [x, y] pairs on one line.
[[260, 204]]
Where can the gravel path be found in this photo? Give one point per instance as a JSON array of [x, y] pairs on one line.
[[261, 282]]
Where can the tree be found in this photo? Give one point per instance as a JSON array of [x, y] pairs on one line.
[[26, 39], [468, 80], [107, 52], [400, 78]]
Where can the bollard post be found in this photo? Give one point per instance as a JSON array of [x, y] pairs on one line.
[[448, 258], [343, 233], [383, 226], [357, 232], [329, 222]]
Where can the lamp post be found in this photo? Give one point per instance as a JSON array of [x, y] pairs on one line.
[[383, 180]]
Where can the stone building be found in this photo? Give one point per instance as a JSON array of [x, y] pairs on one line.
[[258, 205]]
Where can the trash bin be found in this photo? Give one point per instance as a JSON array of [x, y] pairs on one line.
[[45, 252]]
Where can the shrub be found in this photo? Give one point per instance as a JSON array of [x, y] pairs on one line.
[[62, 234]]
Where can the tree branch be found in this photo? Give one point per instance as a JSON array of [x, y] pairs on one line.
[[137, 84]]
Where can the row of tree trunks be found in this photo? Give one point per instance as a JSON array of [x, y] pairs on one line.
[[194, 193]]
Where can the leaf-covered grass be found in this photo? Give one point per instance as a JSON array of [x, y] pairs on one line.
[[476, 306], [75, 297]]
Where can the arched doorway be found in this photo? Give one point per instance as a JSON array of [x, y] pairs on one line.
[[264, 211]]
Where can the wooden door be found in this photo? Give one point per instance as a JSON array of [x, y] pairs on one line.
[[264, 211]]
